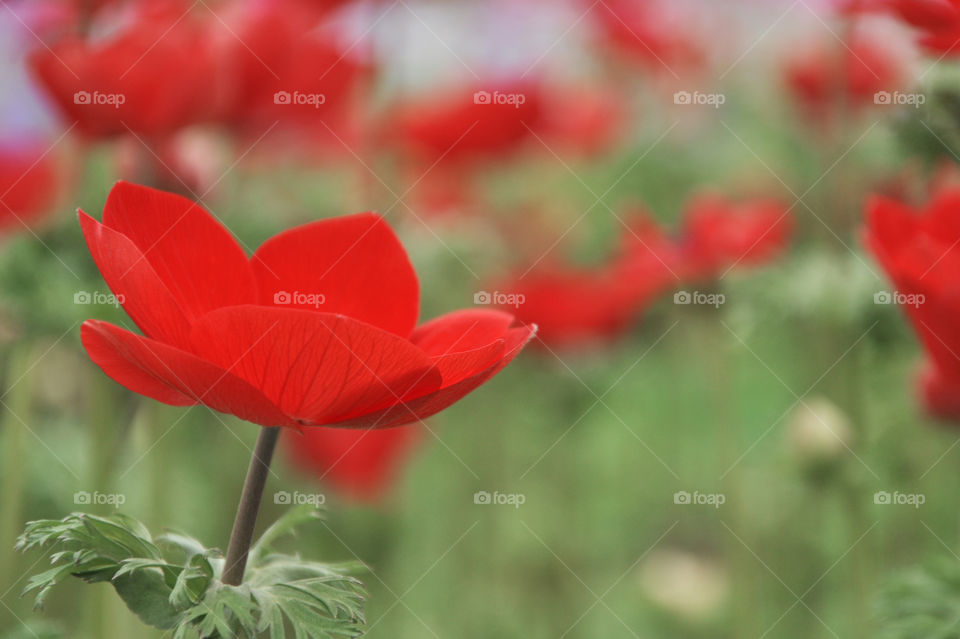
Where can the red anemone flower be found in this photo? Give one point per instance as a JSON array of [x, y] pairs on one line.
[[359, 464], [468, 126], [151, 77], [826, 78], [719, 234], [318, 328], [290, 68], [647, 34], [576, 305], [27, 186], [918, 250]]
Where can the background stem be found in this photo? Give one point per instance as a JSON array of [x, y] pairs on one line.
[[242, 535]]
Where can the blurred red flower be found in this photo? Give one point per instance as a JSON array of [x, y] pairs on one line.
[[918, 250], [359, 464], [467, 127], [645, 33], [574, 305], [287, 67], [937, 20], [248, 336], [828, 78], [28, 186], [151, 76], [719, 234]]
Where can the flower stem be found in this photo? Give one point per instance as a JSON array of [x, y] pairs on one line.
[[242, 535]]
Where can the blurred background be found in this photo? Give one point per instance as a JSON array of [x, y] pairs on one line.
[[715, 433]]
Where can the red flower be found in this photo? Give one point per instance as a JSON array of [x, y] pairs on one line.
[[826, 78], [574, 305], [719, 234], [360, 464], [468, 126], [287, 68], [643, 32], [152, 77], [918, 250], [28, 186], [317, 328]]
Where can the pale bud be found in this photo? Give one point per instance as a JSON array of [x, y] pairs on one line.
[[683, 583]]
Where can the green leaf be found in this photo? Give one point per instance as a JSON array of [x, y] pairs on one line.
[[923, 603], [286, 525], [146, 595], [281, 592]]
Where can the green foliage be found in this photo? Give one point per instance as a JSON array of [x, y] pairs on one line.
[[183, 592], [923, 603]]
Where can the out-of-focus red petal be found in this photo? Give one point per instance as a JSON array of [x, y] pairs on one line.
[[360, 464], [354, 265], [138, 288], [193, 254], [432, 403], [173, 376], [319, 368]]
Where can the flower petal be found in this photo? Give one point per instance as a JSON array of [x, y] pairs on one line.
[[422, 407], [138, 288], [463, 343], [354, 264], [361, 464], [319, 368], [173, 376], [191, 252]]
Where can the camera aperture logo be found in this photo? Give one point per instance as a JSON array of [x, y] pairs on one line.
[[98, 298], [716, 100], [896, 498], [296, 298], [499, 299], [298, 98], [900, 299], [515, 100], [85, 498], [296, 498], [696, 498], [97, 98], [898, 98], [699, 299], [496, 498]]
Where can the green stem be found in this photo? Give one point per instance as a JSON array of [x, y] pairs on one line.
[[242, 535]]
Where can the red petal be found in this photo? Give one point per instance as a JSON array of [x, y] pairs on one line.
[[354, 265], [193, 254], [463, 343], [362, 464], [172, 376], [319, 368], [143, 296], [422, 407]]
